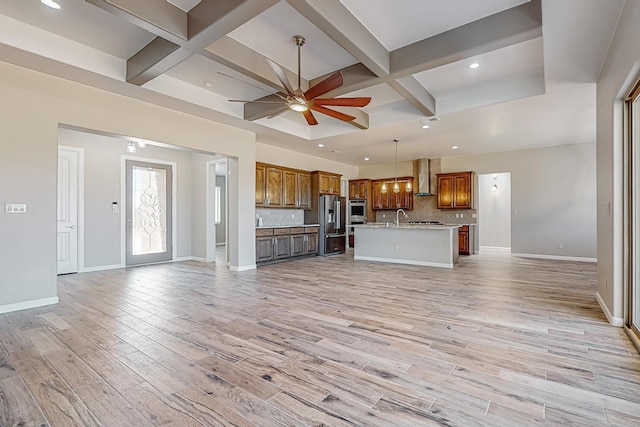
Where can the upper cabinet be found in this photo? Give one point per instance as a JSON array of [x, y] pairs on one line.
[[455, 190], [389, 199], [328, 183], [304, 189], [279, 187], [274, 186], [359, 189]]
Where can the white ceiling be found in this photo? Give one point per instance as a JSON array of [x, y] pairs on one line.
[[535, 91]]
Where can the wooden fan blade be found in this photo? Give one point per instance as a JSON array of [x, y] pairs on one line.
[[332, 113], [281, 76], [345, 102], [310, 118], [332, 82]]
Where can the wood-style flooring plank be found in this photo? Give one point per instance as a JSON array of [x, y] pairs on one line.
[[496, 341]]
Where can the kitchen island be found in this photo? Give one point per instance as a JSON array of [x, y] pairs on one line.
[[433, 245]]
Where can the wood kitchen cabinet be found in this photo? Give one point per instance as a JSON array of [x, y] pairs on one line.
[[455, 190], [304, 190], [290, 189], [328, 183], [264, 245], [359, 189], [391, 200], [284, 243], [281, 243], [311, 238], [280, 187], [463, 240]]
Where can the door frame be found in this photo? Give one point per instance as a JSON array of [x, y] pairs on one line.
[[123, 204], [80, 196], [210, 234]]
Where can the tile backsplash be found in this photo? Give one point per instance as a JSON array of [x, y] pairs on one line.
[[425, 208], [272, 217]]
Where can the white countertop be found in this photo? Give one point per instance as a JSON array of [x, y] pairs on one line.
[[408, 226]]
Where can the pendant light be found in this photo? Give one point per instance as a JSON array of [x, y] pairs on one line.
[[396, 186]]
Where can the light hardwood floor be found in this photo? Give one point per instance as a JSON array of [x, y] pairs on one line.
[[496, 341]]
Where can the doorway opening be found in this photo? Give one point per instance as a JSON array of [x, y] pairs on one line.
[[217, 211], [494, 210]]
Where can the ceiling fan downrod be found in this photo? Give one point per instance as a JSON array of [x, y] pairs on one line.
[[299, 41]]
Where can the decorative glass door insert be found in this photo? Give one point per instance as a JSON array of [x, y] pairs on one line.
[[149, 213]]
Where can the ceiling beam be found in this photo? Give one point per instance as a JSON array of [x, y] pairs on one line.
[[415, 93], [200, 27], [506, 28], [333, 18]]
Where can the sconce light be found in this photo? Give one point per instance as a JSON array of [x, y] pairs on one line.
[[131, 147], [495, 187]]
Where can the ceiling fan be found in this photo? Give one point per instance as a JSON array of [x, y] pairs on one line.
[[304, 102]]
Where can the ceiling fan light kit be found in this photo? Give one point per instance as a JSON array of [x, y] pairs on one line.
[[304, 102]]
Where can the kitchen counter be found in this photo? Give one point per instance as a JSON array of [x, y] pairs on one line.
[[288, 226], [433, 245]]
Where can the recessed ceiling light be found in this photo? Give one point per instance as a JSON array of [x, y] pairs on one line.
[[455, 147], [51, 3], [425, 125], [366, 159], [320, 145], [474, 65], [208, 84]]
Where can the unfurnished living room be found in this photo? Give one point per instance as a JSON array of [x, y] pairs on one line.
[[319, 212]]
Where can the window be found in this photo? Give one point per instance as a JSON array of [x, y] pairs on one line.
[[216, 195], [632, 222]]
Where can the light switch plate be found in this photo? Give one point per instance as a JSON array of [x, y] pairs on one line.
[[14, 208]]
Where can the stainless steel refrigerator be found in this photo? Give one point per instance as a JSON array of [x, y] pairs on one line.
[[330, 213]]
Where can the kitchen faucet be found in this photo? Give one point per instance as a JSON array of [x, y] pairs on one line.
[[398, 216]]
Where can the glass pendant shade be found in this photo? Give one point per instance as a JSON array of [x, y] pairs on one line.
[[396, 187], [383, 189], [409, 188]]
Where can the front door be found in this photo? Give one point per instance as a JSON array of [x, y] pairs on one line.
[[67, 241], [149, 216]]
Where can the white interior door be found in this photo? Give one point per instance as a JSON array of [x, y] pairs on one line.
[[67, 251]]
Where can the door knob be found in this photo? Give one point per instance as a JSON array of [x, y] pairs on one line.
[[71, 227]]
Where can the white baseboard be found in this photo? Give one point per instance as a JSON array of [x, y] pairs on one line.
[[556, 257], [615, 321], [242, 268], [198, 259], [28, 304], [101, 268]]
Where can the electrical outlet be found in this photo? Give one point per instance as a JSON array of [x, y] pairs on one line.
[[560, 246]]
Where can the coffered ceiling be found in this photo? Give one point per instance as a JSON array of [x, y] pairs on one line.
[[535, 84]]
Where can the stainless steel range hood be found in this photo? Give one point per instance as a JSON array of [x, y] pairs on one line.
[[424, 171]]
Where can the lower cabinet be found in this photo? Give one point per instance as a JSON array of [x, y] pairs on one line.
[[264, 245], [463, 240], [283, 243]]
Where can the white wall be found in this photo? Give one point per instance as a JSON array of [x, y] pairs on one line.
[[494, 209], [621, 67], [281, 157], [553, 191], [386, 171], [32, 106]]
